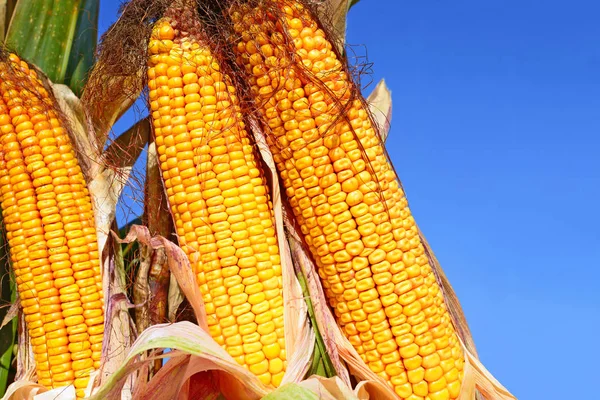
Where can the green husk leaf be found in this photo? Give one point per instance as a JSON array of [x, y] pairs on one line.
[[8, 330], [81, 57], [5, 360], [45, 32]]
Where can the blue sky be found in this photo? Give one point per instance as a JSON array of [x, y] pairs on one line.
[[495, 136]]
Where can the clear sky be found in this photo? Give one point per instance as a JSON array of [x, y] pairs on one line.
[[495, 136]]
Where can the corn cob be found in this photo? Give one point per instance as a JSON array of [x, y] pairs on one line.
[[50, 229], [348, 201], [218, 197]]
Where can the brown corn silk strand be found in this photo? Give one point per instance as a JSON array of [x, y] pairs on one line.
[[50, 228], [347, 199], [217, 194]]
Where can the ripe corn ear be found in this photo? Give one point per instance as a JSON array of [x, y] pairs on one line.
[[49, 224], [348, 201], [218, 197]]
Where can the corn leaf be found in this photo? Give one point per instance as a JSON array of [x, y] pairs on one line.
[[317, 387], [8, 329], [380, 105], [292, 391], [7, 339], [3, 18], [6, 10], [5, 360], [189, 339], [335, 12], [81, 57], [23, 390], [47, 32]]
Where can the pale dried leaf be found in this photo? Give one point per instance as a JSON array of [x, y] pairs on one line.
[[167, 382], [484, 381], [104, 198], [23, 390], [61, 393], [190, 339], [141, 291], [118, 325], [25, 360], [12, 312], [380, 105], [179, 265], [72, 108], [175, 300]]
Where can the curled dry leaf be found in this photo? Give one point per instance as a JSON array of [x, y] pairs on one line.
[[11, 313], [160, 223], [24, 390], [380, 105], [315, 388], [206, 355], [61, 393], [484, 382], [179, 265], [118, 325]]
